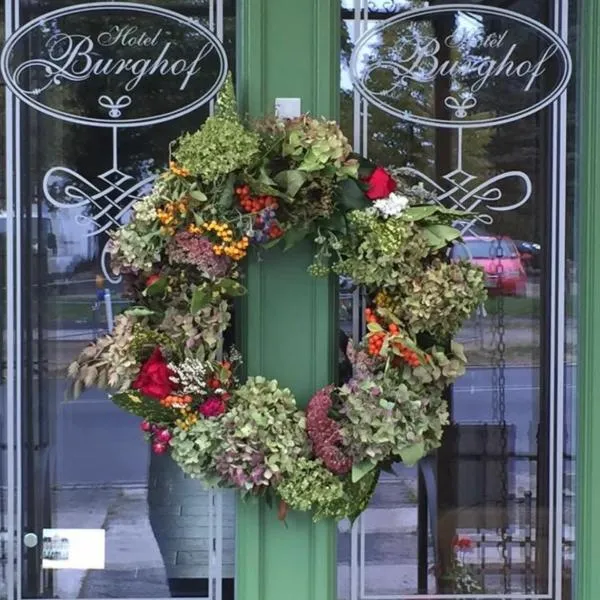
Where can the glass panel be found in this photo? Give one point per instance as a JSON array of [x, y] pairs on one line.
[[471, 104], [86, 466]]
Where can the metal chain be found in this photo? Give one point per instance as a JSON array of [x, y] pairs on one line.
[[499, 405]]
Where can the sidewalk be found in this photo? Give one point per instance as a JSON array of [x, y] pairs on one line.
[[388, 535]]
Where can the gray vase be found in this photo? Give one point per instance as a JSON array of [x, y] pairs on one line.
[[178, 508]]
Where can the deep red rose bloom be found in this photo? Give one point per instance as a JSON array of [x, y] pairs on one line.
[[381, 184], [152, 279], [154, 377], [213, 407]]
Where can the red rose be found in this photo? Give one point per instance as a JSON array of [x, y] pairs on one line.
[[381, 184], [154, 378], [152, 279], [213, 407]]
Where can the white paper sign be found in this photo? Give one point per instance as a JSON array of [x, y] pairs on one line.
[[73, 549]]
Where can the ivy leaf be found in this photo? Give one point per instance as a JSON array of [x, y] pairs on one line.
[[291, 181], [226, 197], [200, 299], [411, 455], [233, 287], [361, 469], [351, 196]]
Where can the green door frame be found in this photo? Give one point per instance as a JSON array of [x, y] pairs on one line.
[[290, 48], [587, 539]]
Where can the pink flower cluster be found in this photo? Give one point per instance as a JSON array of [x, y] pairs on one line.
[[192, 249], [324, 433]]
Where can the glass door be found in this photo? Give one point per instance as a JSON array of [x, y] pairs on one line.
[[475, 102], [95, 94]]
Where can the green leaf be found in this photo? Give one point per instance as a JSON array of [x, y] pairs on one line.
[[272, 243], [226, 197], [351, 196], [291, 181], [338, 223], [417, 213], [157, 288], [439, 236], [294, 236], [233, 287], [264, 178], [411, 455], [200, 299], [139, 311], [198, 195], [362, 469]]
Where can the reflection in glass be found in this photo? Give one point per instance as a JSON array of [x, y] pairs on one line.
[[478, 517], [86, 464]]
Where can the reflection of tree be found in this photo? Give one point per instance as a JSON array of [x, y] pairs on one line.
[[400, 142]]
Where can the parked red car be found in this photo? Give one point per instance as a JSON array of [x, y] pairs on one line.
[[505, 274]]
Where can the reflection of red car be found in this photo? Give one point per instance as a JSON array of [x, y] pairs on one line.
[[500, 259]]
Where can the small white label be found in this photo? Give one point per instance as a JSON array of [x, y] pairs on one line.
[[73, 549], [288, 108]]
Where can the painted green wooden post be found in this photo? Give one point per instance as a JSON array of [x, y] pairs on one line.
[[587, 543], [289, 49]]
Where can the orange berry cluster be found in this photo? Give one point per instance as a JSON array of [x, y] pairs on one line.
[[178, 170], [410, 357], [254, 204], [173, 401], [376, 342], [376, 339], [235, 250], [171, 214]]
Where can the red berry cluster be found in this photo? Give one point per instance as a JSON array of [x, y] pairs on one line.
[[160, 436], [254, 204], [266, 226]]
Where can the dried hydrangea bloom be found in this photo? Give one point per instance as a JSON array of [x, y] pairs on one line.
[[192, 249], [325, 434]]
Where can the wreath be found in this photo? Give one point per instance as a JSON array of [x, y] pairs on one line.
[[234, 188]]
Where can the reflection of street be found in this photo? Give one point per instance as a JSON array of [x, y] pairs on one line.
[[98, 443]]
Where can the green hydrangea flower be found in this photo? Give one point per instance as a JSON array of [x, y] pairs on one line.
[[222, 145]]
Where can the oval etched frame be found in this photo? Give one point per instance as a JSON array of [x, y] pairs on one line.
[[454, 8], [20, 33]]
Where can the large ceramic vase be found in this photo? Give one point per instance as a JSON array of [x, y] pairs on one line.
[[178, 508]]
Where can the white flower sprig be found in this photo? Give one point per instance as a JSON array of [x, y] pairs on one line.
[[190, 375], [392, 206]]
